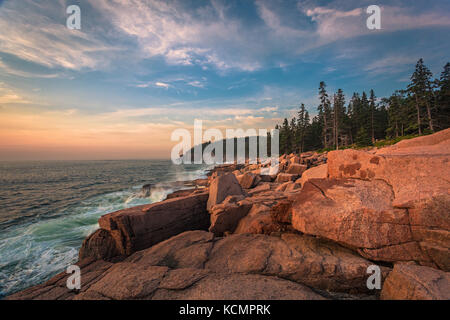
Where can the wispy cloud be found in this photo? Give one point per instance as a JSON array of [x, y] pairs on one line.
[[208, 35], [181, 36], [334, 24], [37, 36], [391, 64], [165, 63], [10, 96], [25, 74], [162, 85], [196, 84]]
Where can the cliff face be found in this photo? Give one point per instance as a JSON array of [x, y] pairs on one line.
[[319, 224]]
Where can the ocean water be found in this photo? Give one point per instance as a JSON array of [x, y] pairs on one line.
[[47, 208]]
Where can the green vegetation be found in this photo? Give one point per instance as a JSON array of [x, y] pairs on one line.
[[389, 142], [422, 108], [362, 138]]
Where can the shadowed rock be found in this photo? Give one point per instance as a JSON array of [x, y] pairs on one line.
[[140, 227], [295, 168], [99, 245], [222, 186], [410, 282], [196, 265], [286, 177], [226, 216], [249, 180], [258, 221]]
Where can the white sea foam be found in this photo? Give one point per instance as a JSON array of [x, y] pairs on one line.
[[34, 251]]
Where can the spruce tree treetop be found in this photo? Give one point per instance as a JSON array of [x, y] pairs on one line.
[[420, 79]]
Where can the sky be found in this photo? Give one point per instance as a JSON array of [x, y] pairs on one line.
[[138, 70]]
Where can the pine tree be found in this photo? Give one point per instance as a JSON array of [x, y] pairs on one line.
[[353, 109], [302, 126], [364, 116], [365, 119], [324, 109], [372, 110], [362, 138], [381, 122], [443, 98], [285, 137], [420, 88], [338, 112], [313, 135], [293, 145]]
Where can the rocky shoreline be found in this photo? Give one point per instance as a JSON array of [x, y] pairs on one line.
[[309, 232]]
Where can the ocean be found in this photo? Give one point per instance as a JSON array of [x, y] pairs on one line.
[[47, 208]]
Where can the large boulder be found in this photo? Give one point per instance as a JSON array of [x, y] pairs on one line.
[[285, 177], [226, 216], [298, 258], [281, 212], [222, 186], [410, 282], [288, 187], [307, 260], [351, 212], [129, 280], [319, 172], [196, 265], [126, 231], [258, 220], [430, 224], [248, 180], [235, 286], [295, 168], [418, 173], [181, 193], [262, 187], [360, 214], [412, 176], [99, 245], [283, 186]]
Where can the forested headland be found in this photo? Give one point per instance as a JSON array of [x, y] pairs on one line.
[[423, 107]]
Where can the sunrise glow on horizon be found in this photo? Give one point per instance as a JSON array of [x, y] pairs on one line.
[[137, 70]]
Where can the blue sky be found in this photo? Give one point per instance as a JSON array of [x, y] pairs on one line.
[[137, 70]]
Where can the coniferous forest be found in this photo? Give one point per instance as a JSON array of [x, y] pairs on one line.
[[423, 107]]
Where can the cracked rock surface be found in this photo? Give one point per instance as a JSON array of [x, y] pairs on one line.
[[197, 265], [272, 238]]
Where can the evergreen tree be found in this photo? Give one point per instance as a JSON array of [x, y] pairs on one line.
[[285, 137], [324, 109], [302, 126], [293, 146], [364, 112], [313, 135], [353, 111], [420, 89], [338, 115], [443, 99], [362, 138], [381, 122], [372, 110], [366, 120]]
